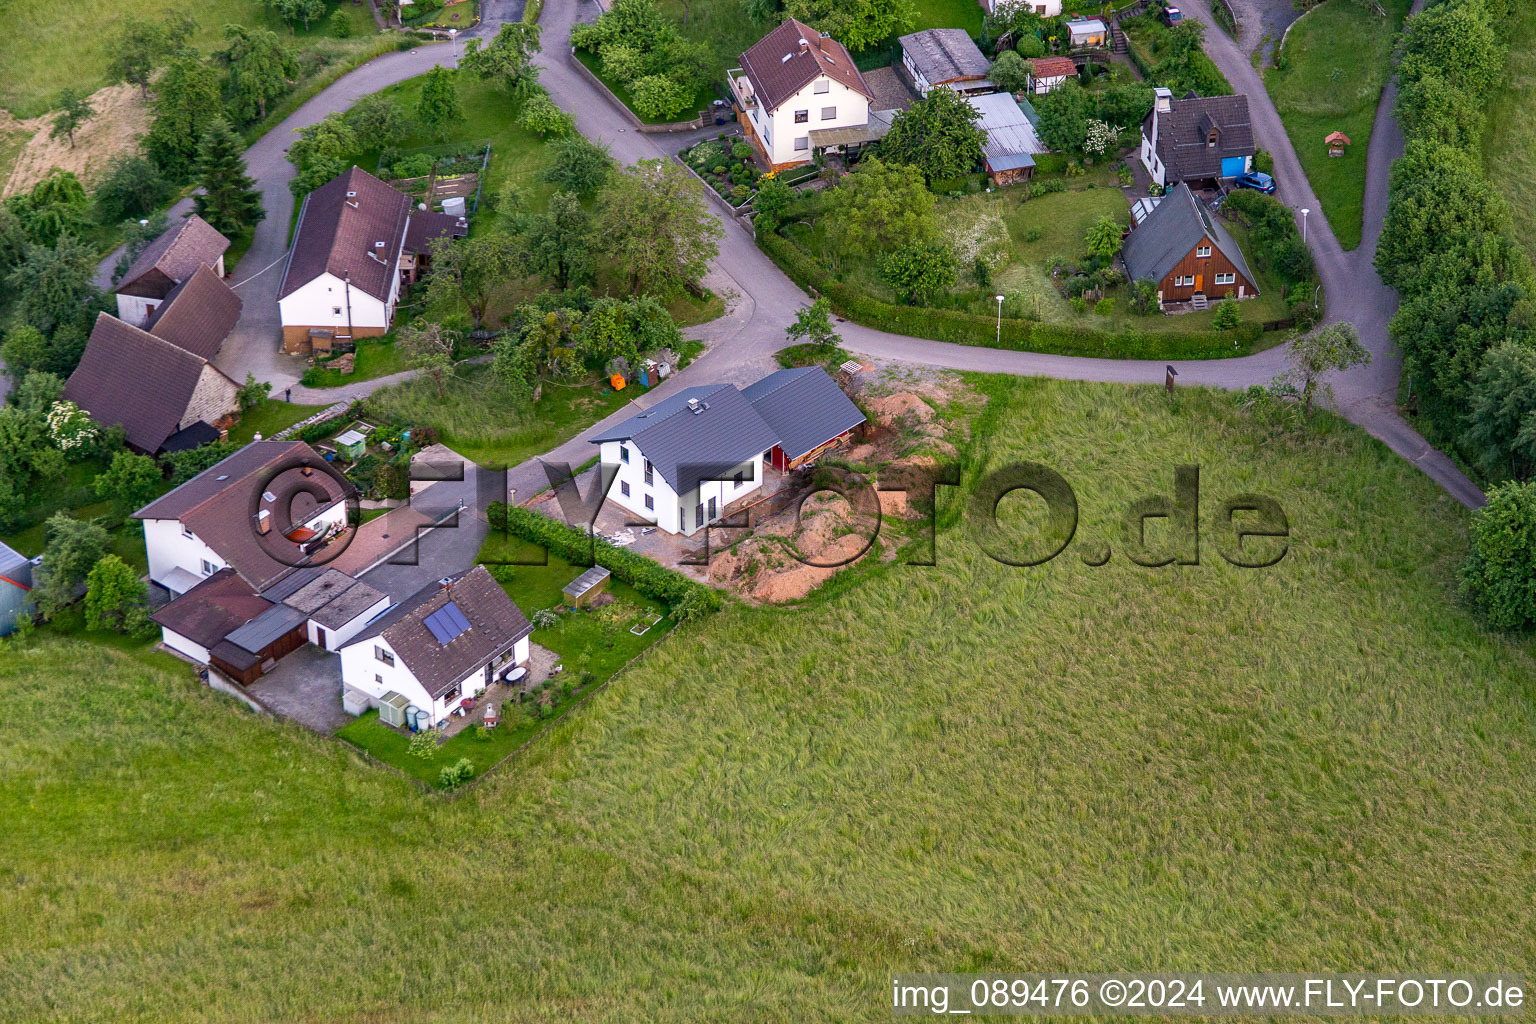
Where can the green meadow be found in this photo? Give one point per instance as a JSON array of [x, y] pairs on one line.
[[1323, 765]]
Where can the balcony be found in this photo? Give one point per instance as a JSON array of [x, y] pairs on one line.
[[741, 89]]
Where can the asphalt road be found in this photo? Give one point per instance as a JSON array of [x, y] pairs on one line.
[[762, 301]]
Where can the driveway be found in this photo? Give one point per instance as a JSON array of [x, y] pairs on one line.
[[306, 687], [762, 301]]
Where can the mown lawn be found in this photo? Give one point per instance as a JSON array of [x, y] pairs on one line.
[[270, 417], [371, 359], [1509, 148], [959, 767], [1336, 60], [596, 642], [51, 44]]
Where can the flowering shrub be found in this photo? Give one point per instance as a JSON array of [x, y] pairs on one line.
[[70, 427]]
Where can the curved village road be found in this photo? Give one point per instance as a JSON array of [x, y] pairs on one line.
[[762, 301]]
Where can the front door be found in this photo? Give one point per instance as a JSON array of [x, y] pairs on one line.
[[1199, 282], [320, 635]]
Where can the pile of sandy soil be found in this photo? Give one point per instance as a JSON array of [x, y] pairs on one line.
[[120, 120]]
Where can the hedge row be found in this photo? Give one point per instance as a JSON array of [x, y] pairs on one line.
[[1022, 335], [650, 578]]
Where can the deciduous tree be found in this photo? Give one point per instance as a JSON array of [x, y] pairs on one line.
[[507, 59], [1009, 72], [857, 24], [439, 109], [130, 482], [654, 226], [579, 165], [881, 207], [1316, 355], [813, 325], [188, 98], [1501, 416], [74, 111], [142, 46], [939, 136], [559, 241], [471, 268], [115, 597], [132, 188], [430, 350], [73, 547], [260, 69], [919, 271], [55, 283]]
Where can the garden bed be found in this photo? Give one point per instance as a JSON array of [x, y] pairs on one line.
[[730, 168]]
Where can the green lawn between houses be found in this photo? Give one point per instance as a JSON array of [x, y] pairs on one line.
[[602, 637], [1336, 60], [51, 44], [963, 767], [1509, 142], [1031, 235]]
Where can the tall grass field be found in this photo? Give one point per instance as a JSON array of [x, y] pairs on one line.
[[1509, 146], [1323, 765]]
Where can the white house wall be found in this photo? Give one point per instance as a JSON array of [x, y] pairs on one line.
[[668, 505], [363, 671], [168, 548], [323, 303], [135, 309], [779, 130], [334, 638], [177, 642]]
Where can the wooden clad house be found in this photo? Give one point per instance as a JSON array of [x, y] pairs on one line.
[[1188, 253]]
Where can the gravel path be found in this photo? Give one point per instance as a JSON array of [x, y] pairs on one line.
[[761, 301]]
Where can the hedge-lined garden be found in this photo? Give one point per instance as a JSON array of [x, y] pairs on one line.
[[685, 597]]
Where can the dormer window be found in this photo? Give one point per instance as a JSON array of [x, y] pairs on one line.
[[1210, 140]]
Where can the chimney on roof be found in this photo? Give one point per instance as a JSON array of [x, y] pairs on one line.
[[264, 522], [446, 583], [693, 405], [825, 38]]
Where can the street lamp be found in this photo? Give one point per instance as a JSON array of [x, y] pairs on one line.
[[1304, 212], [1000, 321]]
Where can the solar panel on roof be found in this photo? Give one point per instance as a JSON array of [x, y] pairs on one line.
[[446, 623]]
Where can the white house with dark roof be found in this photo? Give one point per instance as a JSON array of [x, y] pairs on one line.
[[353, 249], [1196, 138], [793, 81], [165, 263], [257, 512], [681, 462], [441, 645]]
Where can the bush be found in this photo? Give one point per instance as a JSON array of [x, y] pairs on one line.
[[1078, 304], [742, 151], [457, 775], [546, 618], [1104, 307], [417, 165], [1499, 575], [649, 578], [423, 744]]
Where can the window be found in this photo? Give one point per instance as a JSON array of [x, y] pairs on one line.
[[736, 480], [623, 454], [829, 113], [1203, 252], [1226, 279], [381, 654], [335, 311], [452, 695], [624, 488], [802, 116], [711, 509], [378, 679], [1210, 140], [207, 567], [186, 531], [802, 144], [698, 515], [650, 502], [650, 475], [822, 87]]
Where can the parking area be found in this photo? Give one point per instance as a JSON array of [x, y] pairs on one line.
[[306, 687]]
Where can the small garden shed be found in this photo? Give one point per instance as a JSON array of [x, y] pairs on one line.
[[583, 590], [352, 444]]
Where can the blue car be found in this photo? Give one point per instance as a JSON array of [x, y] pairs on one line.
[[1256, 180]]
